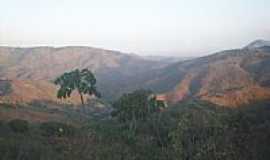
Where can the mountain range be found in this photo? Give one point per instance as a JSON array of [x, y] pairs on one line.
[[229, 78], [30, 71]]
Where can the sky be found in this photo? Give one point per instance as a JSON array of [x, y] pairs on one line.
[[145, 27]]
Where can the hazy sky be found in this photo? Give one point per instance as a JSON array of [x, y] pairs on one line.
[[183, 28]]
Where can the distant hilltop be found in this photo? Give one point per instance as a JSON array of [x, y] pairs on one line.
[[257, 44]]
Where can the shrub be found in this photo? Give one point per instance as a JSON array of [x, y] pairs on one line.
[[5, 87], [19, 126], [56, 129], [138, 105]]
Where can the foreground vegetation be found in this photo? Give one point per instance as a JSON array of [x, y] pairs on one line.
[[192, 130]]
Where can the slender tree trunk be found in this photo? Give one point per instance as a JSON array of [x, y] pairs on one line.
[[82, 100], [83, 107]]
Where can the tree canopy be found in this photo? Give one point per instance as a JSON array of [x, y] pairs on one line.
[[83, 81], [137, 105]]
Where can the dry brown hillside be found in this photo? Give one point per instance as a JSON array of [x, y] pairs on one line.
[[230, 78], [31, 70], [29, 90]]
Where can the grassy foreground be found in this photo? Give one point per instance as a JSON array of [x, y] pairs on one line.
[[191, 130]]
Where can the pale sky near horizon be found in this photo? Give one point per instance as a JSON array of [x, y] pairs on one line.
[[156, 27]]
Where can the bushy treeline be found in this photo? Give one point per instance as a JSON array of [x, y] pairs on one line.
[[141, 128], [205, 132]]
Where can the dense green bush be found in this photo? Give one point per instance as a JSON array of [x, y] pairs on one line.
[[206, 133], [138, 105], [19, 126]]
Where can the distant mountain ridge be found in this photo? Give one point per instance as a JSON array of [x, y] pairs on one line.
[[112, 68], [258, 44], [229, 78], [48, 62]]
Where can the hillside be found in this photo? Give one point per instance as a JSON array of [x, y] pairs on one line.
[[36, 67], [230, 78], [28, 91], [45, 63]]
